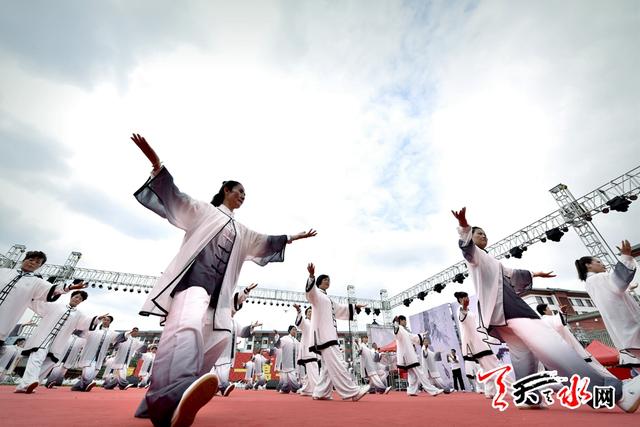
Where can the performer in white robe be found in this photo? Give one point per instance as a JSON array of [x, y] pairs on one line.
[[94, 353], [249, 373], [18, 288], [222, 366], [474, 348], [333, 372], [430, 368], [619, 311], [144, 374], [107, 374], [369, 368], [383, 369], [289, 345], [259, 361], [308, 360], [48, 342], [194, 294], [68, 361], [10, 357], [408, 358], [129, 344], [504, 315]]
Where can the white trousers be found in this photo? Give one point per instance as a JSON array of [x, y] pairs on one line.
[[289, 381], [311, 378], [532, 340], [334, 374], [37, 369], [222, 371], [376, 381], [416, 377], [437, 381]]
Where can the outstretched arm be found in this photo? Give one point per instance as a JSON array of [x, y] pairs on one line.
[[469, 249], [625, 269], [149, 152]]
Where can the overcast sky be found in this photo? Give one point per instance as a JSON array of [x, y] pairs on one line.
[[367, 120]]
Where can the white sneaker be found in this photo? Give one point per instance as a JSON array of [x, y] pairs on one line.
[[322, 398], [628, 360], [363, 390], [630, 395], [29, 389], [193, 399], [387, 390]]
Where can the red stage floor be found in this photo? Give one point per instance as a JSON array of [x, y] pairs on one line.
[[105, 408]]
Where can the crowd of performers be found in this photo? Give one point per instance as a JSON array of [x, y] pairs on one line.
[[196, 300]]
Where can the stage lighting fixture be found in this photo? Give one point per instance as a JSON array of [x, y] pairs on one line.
[[555, 234], [367, 310], [565, 229], [376, 312], [139, 291], [516, 252], [459, 278], [439, 287], [421, 295], [109, 287], [605, 210], [407, 302], [100, 286], [93, 285], [507, 256], [116, 288], [146, 291], [619, 203], [543, 239], [633, 197], [374, 322], [358, 310]]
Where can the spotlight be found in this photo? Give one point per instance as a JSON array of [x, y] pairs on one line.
[[376, 312], [93, 285], [146, 291], [407, 302], [271, 303], [421, 295], [507, 256], [358, 310], [109, 287], [459, 278], [139, 291], [587, 217], [288, 305], [633, 197], [100, 286], [605, 210], [565, 229], [252, 301], [277, 304], [116, 288], [516, 252], [439, 287], [554, 234], [131, 290], [367, 310], [619, 203], [124, 289], [543, 240]]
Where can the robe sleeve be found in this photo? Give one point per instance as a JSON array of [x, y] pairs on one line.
[[244, 332], [311, 290], [87, 323], [462, 315], [469, 249], [238, 299], [39, 307], [160, 195], [416, 339], [344, 311], [45, 291], [521, 280], [299, 321], [264, 248], [623, 272]]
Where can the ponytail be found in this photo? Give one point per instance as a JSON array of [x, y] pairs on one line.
[[581, 266], [219, 198]]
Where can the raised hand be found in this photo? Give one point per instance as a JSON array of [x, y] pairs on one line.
[[360, 306], [251, 287], [563, 309], [256, 324], [304, 234], [146, 149], [297, 307], [77, 286], [103, 316], [544, 275], [461, 216], [625, 248], [311, 269]]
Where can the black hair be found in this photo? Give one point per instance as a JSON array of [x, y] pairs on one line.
[[19, 340], [453, 349], [219, 198], [474, 228], [110, 318], [307, 310], [135, 328], [581, 266], [401, 317], [77, 281], [82, 293], [541, 308], [290, 328], [37, 255], [52, 279], [460, 295], [321, 278]]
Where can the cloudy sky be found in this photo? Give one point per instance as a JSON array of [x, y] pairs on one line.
[[367, 120]]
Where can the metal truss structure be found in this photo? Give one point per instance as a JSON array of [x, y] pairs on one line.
[[574, 213]]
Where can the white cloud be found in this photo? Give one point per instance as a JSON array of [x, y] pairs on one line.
[[367, 122]]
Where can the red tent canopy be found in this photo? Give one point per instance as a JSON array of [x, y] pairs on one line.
[[606, 355], [391, 347]]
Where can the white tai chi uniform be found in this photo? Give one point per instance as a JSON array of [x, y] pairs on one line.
[[195, 292], [369, 368], [475, 349], [107, 374], [259, 361], [408, 359], [250, 371], [68, 361], [124, 352], [504, 315], [93, 355], [325, 342], [145, 370], [620, 312], [288, 369], [430, 369], [49, 341], [8, 360], [17, 291], [307, 359]]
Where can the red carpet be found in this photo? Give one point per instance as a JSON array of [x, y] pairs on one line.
[[106, 408]]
